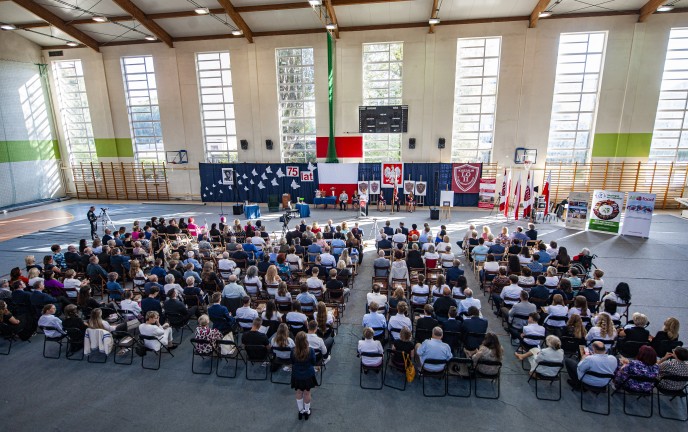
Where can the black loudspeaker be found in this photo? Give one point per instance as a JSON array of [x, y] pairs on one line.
[[536, 189], [244, 144], [238, 209], [412, 143], [268, 144], [434, 214], [440, 143]]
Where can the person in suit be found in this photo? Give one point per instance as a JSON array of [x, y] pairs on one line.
[[425, 323], [443, 304], [388, 230], [152, 303], [384, 243], [174, 306], [403, 229], [472, 323], [216, 312], [381, 265], [452, 324]]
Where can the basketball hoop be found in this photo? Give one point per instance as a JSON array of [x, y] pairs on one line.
[[527, 164]]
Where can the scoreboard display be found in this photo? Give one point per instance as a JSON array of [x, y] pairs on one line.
[[383, 119]]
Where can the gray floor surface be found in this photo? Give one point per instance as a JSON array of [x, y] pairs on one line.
[[67, 395]]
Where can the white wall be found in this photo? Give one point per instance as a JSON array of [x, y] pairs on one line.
[[629, 90]]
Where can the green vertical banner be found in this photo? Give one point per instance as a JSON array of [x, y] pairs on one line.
[[331, 147]]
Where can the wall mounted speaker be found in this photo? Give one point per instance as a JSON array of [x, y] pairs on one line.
[[412, 143], [440, 143], [244, 144], [268, 144]]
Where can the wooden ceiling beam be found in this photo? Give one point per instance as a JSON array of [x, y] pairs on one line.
[[237, 19], [433, 14], [57, 22], [145, 21], [648, 9], [535, 15], [333, 17]]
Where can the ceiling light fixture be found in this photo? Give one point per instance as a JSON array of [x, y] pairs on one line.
[[151, 38], [434, 21], [331, 26], [202, 10], [545, 14], [315, 3], [237, 32], [72, 44], [665, 8], [99, 18], [8, 27]]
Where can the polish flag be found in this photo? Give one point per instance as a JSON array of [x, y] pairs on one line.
[[506, 191], [527, 198], [545, 192], [341, 176], [517, 192]]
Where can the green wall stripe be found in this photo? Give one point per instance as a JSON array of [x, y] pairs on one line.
[[29, 150], [612, 145], [114, 147]]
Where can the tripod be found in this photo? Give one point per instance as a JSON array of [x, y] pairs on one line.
[[105, 221], [373, 230]]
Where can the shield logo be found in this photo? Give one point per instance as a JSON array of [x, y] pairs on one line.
[[363, 187], [466, 177], [374, 187], [408, 187], [420, 188]]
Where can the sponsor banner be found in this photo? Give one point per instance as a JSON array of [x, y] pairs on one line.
[[605, 214], [421, 188], [486, 194], [227, 176], [374, 187], [577, 213], [638, 214], [392, 175], [465, 178]]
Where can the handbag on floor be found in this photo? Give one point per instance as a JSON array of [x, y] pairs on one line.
[[410, 369]]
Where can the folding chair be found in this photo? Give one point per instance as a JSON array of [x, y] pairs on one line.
[[571, 346], [597, 390], [527, 347], [379, 369], [551, 378], [74, 334], [442, 375], [197, 351], [395, 361], [158, 353], [8, 334], [257, 354], [492, 377], [123, 346], [319, 363], [58, 340], [179, 322], [227, 350], [673, 394], [638, 394], [276, 363], [453, 339], [457, 363]]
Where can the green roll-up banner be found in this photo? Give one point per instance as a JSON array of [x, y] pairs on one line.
[[331, 147]]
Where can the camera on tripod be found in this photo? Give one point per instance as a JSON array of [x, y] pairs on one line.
[[286, 217], [105, 209]]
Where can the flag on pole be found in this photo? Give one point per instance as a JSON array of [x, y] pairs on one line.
[[545, 192], [395, 194], [527, 198], [502, 196], [517, 192], [508, 195]]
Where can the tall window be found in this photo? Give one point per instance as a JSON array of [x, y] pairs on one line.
[[76, 118], [142, 105], [296, 93], [382, 85], [576, 90], [670, 137], [217, 106], [475, 98]]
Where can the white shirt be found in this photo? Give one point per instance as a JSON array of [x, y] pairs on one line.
[[399, 238], [258, 242], [327, 260], [157, 331], [533, 330], [246, 312], [551, 281], [468, 302], [176, 287], [447, 260], [330, 318], [491, 266], [72, 283], [524, 260], [296, 317], [427, 245], [417, 289], [316, 342], [380, 299], [398, 321], [441, 246], [226, 264], [512, 291], [370, 346], [557, 310], [314, 283], [276, 316], [33, 280], [51, 321], [131, 305], [283, 354]]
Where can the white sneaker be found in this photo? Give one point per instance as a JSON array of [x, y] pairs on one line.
[[327, 360], [286, 368]]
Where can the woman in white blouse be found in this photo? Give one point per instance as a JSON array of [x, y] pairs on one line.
[[399, 320], [603, 330], [524, 257], [552, 280], [557, 309], [553, 353], [272, 281]]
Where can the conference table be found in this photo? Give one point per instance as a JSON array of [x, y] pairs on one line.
[[304, 210], [325, 201], [252, 211]]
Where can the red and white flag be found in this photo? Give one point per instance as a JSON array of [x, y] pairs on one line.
[[517, 192], [506, 191], [528, 198], [545, 192], [340, 176]]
